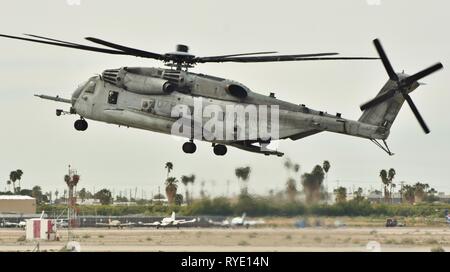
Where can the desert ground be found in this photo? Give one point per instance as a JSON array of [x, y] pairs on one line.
[[280, 239]]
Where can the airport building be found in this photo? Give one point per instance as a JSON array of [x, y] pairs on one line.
[[17, 204]]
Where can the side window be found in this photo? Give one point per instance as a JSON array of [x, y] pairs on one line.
[[112, 97]]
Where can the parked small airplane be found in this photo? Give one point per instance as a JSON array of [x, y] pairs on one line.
[[237, 222], [168, 221], [115, 224], [62, 223], [6, 224]]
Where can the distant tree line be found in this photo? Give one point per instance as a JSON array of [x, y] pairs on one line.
[[260, 206], [310, 185]]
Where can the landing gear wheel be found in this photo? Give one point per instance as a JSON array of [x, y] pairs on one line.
[[220, 150], [189, 147], [81, 125]]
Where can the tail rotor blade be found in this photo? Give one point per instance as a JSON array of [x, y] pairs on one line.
[[387, 65], [417, 114], [379, 99], [423, 73]]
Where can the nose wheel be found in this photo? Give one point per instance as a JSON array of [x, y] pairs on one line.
[[80, 125], [189, 147], [220, 150]]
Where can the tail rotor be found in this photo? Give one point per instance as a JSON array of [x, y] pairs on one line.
[[402, 85]]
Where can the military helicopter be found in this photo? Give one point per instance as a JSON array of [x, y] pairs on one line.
[[145, 98]]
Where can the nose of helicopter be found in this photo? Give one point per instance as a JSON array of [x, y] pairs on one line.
[[77, 92]]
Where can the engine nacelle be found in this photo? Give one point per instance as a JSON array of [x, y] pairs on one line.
[[146, 85], [136, 83]]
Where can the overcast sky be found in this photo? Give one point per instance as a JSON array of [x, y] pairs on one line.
[[414, 33]]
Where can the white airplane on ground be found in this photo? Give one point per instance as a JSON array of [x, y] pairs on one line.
[[6, 224], [115, 224], [62, 223], [238, 222], [168, 221]]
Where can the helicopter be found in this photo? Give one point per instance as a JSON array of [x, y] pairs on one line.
[[167, 100]]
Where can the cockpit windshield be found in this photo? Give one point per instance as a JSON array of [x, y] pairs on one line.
[[88, 86]]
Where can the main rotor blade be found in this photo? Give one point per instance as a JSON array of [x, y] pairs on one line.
[[385, 60], [129, 50], [211, 58], [303, 57], [416, 113], [69, 45], [378, 100], [417, 76], [336, 58], [50, 39]]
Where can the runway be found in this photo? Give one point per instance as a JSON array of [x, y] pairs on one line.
[[240, 240]]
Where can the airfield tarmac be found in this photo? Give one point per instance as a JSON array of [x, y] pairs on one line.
[[240, 240]]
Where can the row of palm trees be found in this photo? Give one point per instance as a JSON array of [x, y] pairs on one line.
[[411, 193], [417, 192], [171, 183], [387, 180], [312, 182]]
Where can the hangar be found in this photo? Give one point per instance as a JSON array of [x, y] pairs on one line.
[[17, 204]]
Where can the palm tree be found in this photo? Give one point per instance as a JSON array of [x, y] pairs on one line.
[[13, 179], [82, 194], [358, 195], [49, 196], [56, 195], [408, 193], [169, 167], [9, 185], [185, 180], [326, 167], [420, 191], [432, 191], [288, 164], [191, 181], [243, 174], [385, 181], [202, 189], [19, 177], [312, 183], [291, 189], [171, 189], [341, 194], [36, 192], [393, 185], [391, 175]]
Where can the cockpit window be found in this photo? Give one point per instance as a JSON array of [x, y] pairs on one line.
[[112, 97], [90, 87], [78, 91]]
